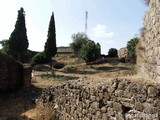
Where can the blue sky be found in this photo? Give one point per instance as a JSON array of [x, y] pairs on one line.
[[110, 22]]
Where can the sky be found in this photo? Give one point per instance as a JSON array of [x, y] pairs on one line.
[[112, 23]]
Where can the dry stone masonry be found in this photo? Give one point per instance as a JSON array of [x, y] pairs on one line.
[[122, 53], [119, 99], [13, 74], [149, 47]]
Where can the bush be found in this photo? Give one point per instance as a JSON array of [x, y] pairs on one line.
[[90, 51], [131, 48], [70, 69], [39, 58], [112, 52]]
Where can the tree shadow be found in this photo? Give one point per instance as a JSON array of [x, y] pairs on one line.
[[112, 69], [57, 77], [13, 104], [64, 77]]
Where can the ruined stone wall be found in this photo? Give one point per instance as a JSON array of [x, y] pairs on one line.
[[13, 74], [122, 53], [115, 100], [148, 49]]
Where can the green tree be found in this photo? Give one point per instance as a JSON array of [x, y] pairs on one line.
[[112, 52], [5, 46], [131, 50], [90, 51], [50, 46], [39, 58], [18, 42], [79, 40]]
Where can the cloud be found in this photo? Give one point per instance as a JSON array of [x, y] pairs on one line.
[[101, 31]]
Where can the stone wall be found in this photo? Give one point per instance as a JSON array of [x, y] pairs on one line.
[[115, 100], [13, 74], [122, 53], [148, 49]]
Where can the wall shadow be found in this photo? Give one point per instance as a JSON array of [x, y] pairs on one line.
[[13, 104], [57, 77]]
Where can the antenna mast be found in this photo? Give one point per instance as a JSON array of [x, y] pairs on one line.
[[86, 18]]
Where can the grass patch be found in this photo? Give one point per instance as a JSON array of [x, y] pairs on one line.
[[70, 69]]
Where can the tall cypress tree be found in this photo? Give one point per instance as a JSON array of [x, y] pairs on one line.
[[50, 46], [18, 42]]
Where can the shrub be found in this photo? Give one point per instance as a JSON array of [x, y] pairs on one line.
[[39, 58], [90, 51], [112, 52], [79, 40], [131, 48], [70, 69]]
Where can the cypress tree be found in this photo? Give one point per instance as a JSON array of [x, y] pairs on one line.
[[50, 46], [18, 42]]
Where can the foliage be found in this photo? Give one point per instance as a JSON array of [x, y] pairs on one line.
[[131, 48], [39, 58], [79, 40], [50, 45], [18, 42], [90, 51], [112, 52], [5, 46]]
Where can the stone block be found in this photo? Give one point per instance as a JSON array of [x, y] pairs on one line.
[[117, 107], [153, 92]]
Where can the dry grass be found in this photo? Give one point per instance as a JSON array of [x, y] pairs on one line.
[[22, 107]]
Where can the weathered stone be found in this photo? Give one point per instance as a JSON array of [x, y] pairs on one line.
[[117, 107], [148, 47], [104, 116], [119, 116], [127, 94], [152, 92], [118, 93], [13, 74], [110, 103], [106, 96], [110, 112], [95, 105], [128, 105], [98, 115], [151, 110], [108, 108], [92, 98], [139, 106], [104, 109], [140, 98], [100, 96]]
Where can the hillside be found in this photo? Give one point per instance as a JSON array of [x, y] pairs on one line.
[[23, 102]]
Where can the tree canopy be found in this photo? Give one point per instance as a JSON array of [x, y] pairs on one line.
[[79, 40], [112, 52], [50, 48], [18, 41]]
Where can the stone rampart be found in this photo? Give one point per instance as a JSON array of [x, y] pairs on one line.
[[148, 50], [119, 99]]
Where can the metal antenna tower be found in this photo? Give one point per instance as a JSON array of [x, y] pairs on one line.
[[86, 18]]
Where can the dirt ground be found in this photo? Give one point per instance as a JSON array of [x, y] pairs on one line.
[[21, 105]]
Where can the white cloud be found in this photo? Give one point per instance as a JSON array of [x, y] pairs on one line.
[[101, 31]]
